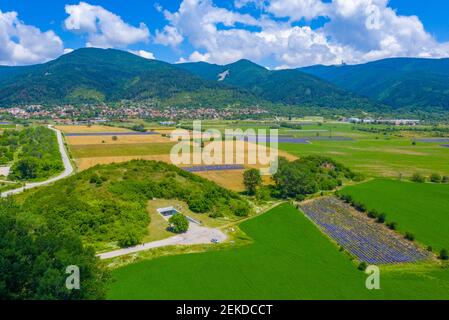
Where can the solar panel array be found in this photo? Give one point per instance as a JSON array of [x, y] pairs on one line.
[[214, 168], [370, 242]]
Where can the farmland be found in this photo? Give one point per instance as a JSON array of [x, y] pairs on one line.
[[370, 242], [289, 259], [93, 145], [418, 208], [374, 154]]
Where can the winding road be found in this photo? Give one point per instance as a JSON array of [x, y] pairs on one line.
[[68, 169]]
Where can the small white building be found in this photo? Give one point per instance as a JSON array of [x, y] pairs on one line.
[[168, 211]]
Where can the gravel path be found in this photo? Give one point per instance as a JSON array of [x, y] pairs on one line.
[[68, 169], [195, 235]]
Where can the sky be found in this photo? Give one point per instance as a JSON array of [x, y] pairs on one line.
[[278, 34]]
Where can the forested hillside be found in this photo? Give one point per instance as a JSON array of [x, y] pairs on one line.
[[288, 87], [420, 84], [96, 75]]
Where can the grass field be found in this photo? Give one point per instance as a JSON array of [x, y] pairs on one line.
[[422, 209], [119, 150], [379, 158], [290, 259]]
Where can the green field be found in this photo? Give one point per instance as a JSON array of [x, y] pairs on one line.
[[383, 154], [422, 209], [118, 150], [289, 259]]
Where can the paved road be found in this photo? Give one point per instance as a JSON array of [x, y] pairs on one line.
[[68, 169], [195, 235]]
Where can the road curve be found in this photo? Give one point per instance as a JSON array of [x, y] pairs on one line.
[[195, 235], [68, 169]]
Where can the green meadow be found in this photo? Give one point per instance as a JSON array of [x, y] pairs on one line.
[[289, 259], [420, 208]]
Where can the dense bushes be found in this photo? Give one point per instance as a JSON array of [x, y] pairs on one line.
[[309, 175], [434, 178], [39, 156], [34, 258]]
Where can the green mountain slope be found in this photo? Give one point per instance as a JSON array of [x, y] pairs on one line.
[[290, 87], [400, 82], [96, 75]]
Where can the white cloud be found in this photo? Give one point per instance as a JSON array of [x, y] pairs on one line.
[[357, 31], [22, 44], [195, 57], [297, 9], [143, 54], [168, 37], [104, 29]]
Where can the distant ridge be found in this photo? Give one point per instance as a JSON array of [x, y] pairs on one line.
[[398, 82]]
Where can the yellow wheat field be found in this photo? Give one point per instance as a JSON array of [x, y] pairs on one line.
[[89, 129], [91, 140]]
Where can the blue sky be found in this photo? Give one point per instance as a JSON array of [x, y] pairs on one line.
[[274, 33]]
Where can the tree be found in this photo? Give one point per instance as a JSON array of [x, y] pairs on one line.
[[128, 238], [252, 180], [435, 178], [26, 169], [179, 223], [444, 254], [409, 236], [34, 260], [114, 138], [381, 218], [418, 177]]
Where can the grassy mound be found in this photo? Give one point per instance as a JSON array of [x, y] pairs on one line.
[[108, 203]]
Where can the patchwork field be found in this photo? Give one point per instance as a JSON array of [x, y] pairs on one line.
[[422, 209], [89, 151], [289, 259]]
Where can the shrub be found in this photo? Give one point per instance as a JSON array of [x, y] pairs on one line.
[[362, 266], [114, 138], [445, 179], [418, 177], [435, 178], [128, 238], [96, 179], [359, 206], [381, 218], [240, 208], [409, 236], [429, 248], [392, 225], [373, 214], [443, 255], [179, 223]]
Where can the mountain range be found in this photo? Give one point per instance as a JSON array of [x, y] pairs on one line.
[[106, 75], [398, 82]]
